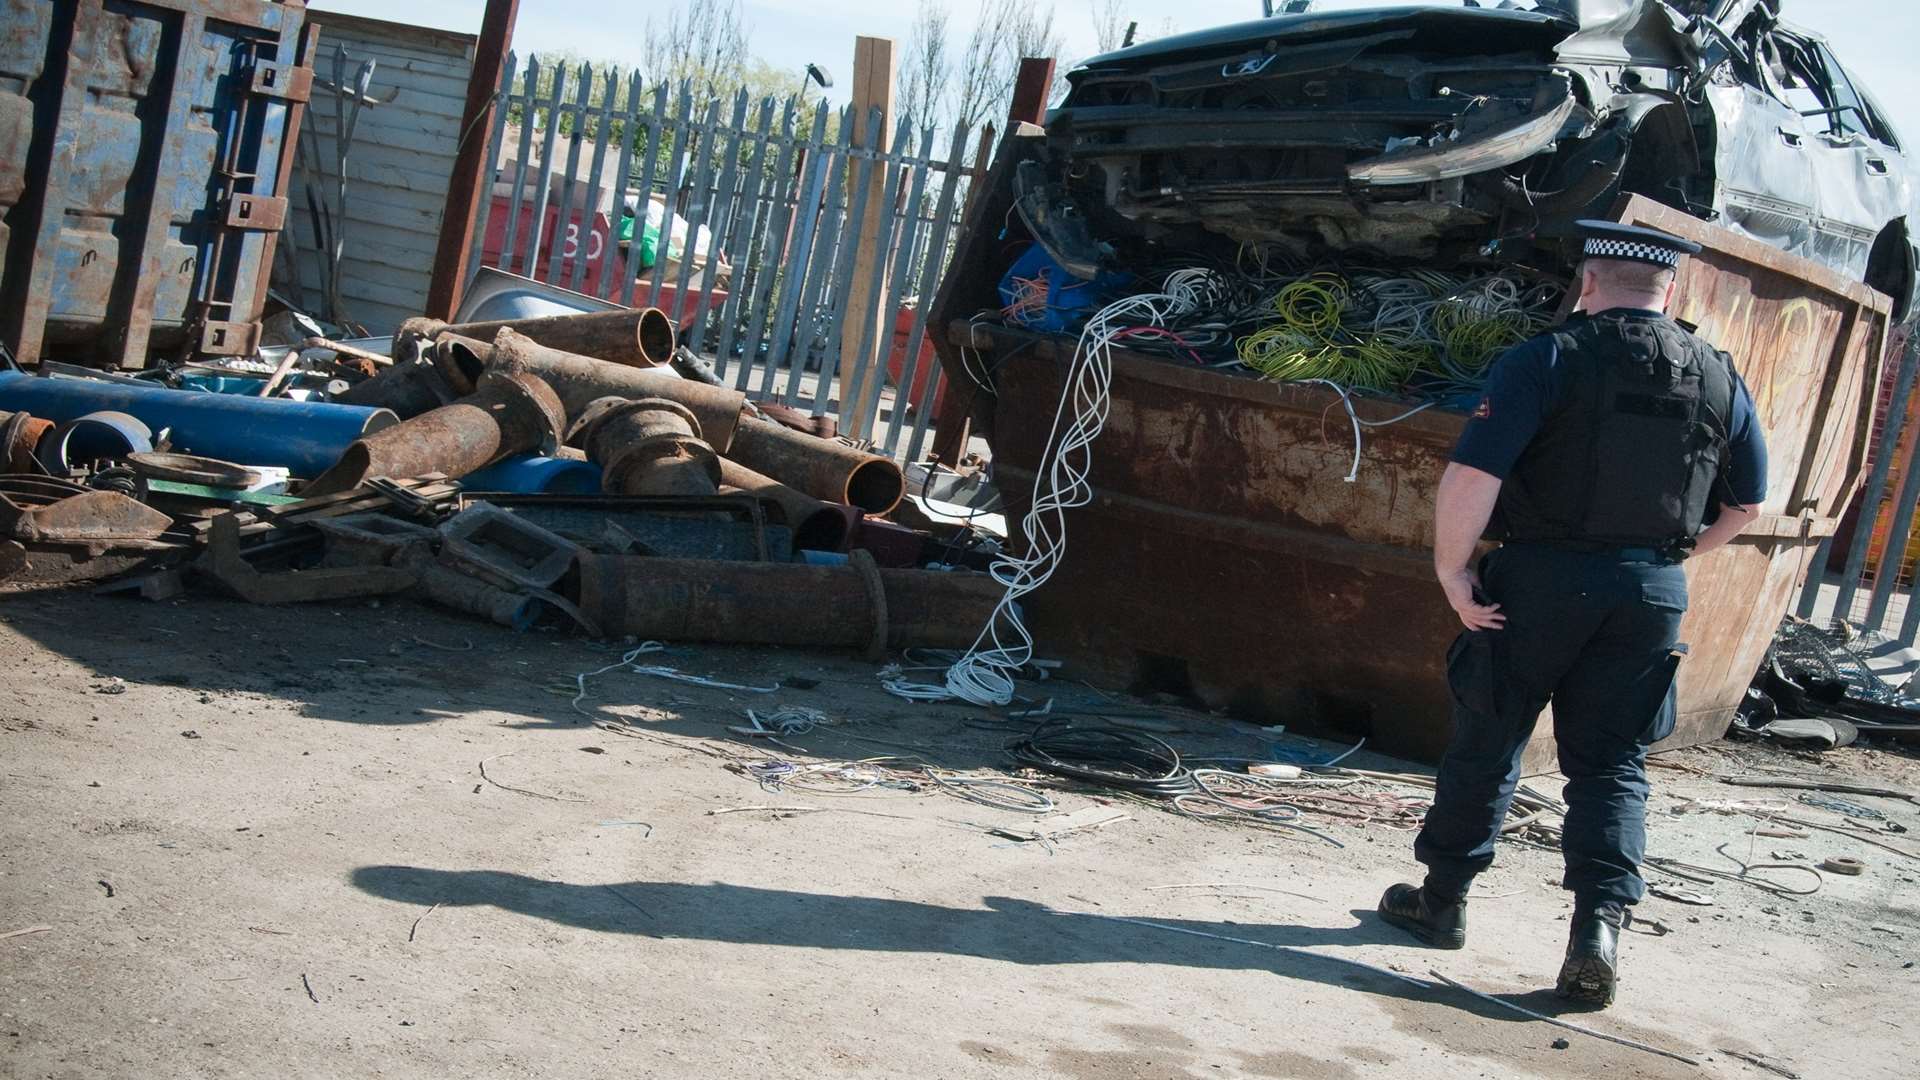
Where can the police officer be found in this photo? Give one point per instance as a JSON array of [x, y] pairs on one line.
[[1602, 454]]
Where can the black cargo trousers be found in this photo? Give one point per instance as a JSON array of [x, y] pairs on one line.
[[1595, 634]]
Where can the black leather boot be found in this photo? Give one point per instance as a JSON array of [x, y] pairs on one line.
[[1436, 920], [1592, 968]]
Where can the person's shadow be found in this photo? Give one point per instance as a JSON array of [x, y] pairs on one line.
[[1008, 929]]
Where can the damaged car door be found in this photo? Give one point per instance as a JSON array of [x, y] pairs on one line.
[[1766, 171]]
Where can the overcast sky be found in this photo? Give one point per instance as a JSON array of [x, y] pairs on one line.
[[1877, 39]]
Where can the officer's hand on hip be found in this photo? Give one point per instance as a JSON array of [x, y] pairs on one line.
[[1463, 594]]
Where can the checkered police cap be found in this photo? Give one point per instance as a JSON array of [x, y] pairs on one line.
[[1631, 243]]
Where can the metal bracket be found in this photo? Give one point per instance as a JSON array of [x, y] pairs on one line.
[[258, 213], [229, 338], [286, 82], [222, 562]]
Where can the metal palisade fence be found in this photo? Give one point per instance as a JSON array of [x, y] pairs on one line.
[[761, 258], [1866, 574]]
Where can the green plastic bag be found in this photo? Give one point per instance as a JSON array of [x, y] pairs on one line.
[[649, 245]]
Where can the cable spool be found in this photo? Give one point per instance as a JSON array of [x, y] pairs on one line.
[[1844, 865]]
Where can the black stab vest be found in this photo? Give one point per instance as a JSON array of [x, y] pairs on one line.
[[1634, 443]]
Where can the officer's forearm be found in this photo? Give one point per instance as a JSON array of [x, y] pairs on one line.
[[1732, 519], [1462, 508]]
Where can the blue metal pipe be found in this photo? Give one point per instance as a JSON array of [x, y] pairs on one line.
[[306, 438], [530, 474]]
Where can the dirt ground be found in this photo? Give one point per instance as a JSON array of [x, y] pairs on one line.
[[261, 844]]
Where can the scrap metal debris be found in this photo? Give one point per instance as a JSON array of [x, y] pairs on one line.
[[683, 515]]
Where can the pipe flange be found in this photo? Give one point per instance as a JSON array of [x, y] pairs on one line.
[[528, 397], [576, 434], [862, 562], [654, 404], [192, 469], [647, 454], [671, 429]]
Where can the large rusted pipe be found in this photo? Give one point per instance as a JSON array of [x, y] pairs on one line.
[[650, 447], [17, 455], [634, 337], [823, 468], [580, 380], [510, 412], [464, 592], [756, 603], [816, 525], [409, 388]]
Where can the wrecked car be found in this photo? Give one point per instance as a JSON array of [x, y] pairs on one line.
[[1450, 134]]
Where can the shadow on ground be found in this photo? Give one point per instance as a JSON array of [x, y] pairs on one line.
[[1007, 929], [399, 663]]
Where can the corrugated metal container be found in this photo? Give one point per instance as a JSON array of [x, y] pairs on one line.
[[1225, 557], [144, 147], [399, 163]]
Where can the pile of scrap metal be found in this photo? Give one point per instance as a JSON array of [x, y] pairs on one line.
[[1818, 690], [619, 495]]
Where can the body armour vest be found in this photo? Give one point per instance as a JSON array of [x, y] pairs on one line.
[[1634, 443]]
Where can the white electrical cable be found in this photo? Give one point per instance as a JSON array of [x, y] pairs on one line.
[[985, 674], [1346, 399], [626, 662]]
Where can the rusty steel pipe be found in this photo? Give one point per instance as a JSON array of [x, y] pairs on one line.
[[635, 337], [580, 380], [409, 388], [17, 456], [755, 603], [823, 468], [650, 447], [464, 592], [816, 525], [508, 413]]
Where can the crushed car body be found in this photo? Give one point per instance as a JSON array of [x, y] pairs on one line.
[[1450, 134]]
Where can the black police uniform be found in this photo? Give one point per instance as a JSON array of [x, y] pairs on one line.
[[1616, 436]]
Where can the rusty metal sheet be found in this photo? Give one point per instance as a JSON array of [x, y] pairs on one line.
[[1224, 556], [99, 519]]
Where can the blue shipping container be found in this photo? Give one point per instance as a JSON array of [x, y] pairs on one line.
[[144, 152]]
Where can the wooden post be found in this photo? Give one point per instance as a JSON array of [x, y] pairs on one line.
[[1030, 89], [872, 89], [471, 180]]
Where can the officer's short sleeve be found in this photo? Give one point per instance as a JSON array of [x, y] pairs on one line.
[[1746, 450], [1512, 407]]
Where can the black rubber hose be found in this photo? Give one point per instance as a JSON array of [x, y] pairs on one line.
[[1106, 757]]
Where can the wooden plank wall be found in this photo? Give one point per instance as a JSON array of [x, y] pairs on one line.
[[399, 166]]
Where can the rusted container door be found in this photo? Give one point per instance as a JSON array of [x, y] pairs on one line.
[[1226, 556], [144, 147], [1809, 344]]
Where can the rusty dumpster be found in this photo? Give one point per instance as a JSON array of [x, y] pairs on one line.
[[1225, 557]]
